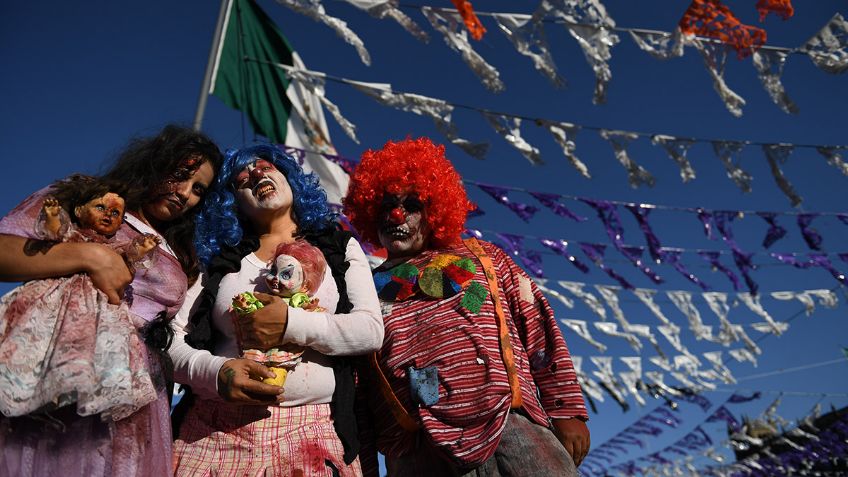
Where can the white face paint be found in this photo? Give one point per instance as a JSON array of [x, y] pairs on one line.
[[261, 187], [286, 277]]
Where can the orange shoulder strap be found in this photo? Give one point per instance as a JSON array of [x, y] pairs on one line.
[[507, 354], [406, 421]]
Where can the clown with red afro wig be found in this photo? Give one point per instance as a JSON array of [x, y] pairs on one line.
[[411, 166]]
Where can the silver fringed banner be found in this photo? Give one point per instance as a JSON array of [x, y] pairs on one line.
[[450, 26], [596, 44], [315, 84], [833, 156], [827, 48], [582, 329], [588, 22], [660, 45], [715, 57], [683, 301], [563, 134], [633, 379], [606, 375], [314, 10], [725, 150], [769, 65], [636, 174], [777, 154], [769, 326], [589, 385], [677, 149], [590, 300], [825, 298], [718, 304], [382, 9], [528, 38], [510, 129], [436, 109]]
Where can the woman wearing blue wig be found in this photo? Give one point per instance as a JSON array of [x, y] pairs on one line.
[[234, 423]]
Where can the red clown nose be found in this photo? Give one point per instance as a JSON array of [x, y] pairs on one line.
[[396, 216]]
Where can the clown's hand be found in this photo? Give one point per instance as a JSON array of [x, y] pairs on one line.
[[573, 434]]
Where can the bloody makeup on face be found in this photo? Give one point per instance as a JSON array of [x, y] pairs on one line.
[[181, 190]]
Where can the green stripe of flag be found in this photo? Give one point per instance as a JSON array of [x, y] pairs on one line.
[[255, 87]]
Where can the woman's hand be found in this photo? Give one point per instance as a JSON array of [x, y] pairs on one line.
[[265, 327], [237, 383], [108, 271]]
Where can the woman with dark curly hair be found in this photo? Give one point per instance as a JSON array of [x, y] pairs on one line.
[[262, 199], [162, 178]]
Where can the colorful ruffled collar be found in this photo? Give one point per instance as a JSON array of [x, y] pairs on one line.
[[444, 276]]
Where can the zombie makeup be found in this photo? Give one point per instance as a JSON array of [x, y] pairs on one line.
[[181, 191]]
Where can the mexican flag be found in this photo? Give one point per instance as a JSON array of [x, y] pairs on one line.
[[245, 78]]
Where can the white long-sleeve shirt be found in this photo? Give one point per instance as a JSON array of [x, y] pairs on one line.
[[324, 334]]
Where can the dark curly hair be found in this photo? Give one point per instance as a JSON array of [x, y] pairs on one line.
[[411, 165], [144, 166]]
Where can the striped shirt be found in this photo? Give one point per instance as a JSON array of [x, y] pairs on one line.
[[474, 394]]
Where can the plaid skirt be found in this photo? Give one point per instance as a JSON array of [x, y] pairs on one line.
[[223, 439]]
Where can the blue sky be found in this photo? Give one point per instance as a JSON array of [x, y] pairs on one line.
[[81, 78]]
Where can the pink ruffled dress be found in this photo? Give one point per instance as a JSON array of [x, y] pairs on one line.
[[63, 346]]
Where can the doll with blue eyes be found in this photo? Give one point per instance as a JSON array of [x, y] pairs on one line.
[[61, 341], [294, 274]]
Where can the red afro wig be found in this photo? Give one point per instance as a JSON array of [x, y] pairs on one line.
[[411, 165], [311, 260]]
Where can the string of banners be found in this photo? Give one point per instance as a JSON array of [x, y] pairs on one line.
[[715, 223], [707, 25], [531, 259], [767, 445], [655, 423], [508, 126], [684, 366]]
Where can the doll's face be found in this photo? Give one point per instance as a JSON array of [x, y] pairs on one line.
[[286, 277], [102, 215]]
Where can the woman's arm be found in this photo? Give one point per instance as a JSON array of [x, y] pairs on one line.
[[357, 332], [28, 259], [211, 375]]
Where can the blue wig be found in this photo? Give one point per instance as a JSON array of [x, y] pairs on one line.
[[219, 222]]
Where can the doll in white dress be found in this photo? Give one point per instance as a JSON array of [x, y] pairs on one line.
[[61, 342]]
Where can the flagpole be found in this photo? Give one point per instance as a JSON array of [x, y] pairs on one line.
[[210, 64]]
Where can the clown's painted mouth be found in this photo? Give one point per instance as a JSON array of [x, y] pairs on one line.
[[264, 188], [400, 232]]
